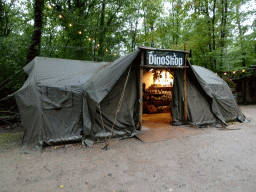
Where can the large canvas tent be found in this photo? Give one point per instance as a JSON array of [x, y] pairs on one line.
[[68, 100]]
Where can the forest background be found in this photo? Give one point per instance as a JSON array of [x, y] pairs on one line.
[[215, 31]]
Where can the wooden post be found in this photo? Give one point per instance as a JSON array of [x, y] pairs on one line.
[[185, 91], [141, 89]]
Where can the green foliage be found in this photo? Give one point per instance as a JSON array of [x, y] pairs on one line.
[[14, 40], [228, 80], [9, 141], [10, 138]]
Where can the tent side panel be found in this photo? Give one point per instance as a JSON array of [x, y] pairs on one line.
[[30, 115], [61, 114], [199, 107], [223, 103], [226, 103], [99, 86], [125, 124]]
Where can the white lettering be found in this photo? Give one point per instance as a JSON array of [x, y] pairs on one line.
[[180, 61], [173, 60], [167, 60], [176, 61], [158, 60], [163, 61], [151, 59], [170, 60]]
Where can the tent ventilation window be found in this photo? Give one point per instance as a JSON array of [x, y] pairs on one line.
[[56, 97]]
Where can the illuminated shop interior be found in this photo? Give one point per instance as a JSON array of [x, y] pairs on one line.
[[157, 91]]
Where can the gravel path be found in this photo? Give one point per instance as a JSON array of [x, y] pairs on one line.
[[217, 160]]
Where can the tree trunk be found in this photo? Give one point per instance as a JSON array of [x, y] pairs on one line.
[[1, 18], [213, 33], [210, 29], [134, 35], [65, 49], [177, 29], [222, 35], [173, 16], [102, 31], [95, 39], [240, 34], [34, 49]]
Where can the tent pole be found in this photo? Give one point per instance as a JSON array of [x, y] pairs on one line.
[[185, 90], [141, 91]]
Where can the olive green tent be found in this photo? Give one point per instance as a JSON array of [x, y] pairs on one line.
[[67, 100]]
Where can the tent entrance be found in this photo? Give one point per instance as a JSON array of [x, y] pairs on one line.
[[155, 89], [157, 96]]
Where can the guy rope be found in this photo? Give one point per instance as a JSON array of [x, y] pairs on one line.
[[117, 111]]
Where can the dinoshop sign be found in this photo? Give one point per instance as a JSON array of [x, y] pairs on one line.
[[160, 58]]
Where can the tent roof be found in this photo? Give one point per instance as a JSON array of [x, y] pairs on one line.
[[52, 71], [207, 76]]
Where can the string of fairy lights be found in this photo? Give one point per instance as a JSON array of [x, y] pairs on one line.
[[90, 39], [232, 73]]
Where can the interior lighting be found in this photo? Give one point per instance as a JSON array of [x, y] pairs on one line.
[[165, 79], [60, 16], [151, 70]]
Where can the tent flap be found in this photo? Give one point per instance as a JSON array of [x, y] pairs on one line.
[[102, 97]]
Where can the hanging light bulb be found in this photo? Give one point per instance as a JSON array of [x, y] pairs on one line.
[[98, 45], [90, 39], [243, 70], [80, 32], [50, 6], [70, 24], [106, 50], [225, 73], [234, 72], [60, 16]]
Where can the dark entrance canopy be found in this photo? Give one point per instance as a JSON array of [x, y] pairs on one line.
[[68, 100]]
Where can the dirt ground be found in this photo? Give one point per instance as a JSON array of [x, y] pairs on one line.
[[214, 160]]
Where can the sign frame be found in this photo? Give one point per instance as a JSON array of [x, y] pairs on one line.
[[164, 58]]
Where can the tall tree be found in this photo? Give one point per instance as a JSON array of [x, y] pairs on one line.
[[34, 49], [213, 32], [224, 9]]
